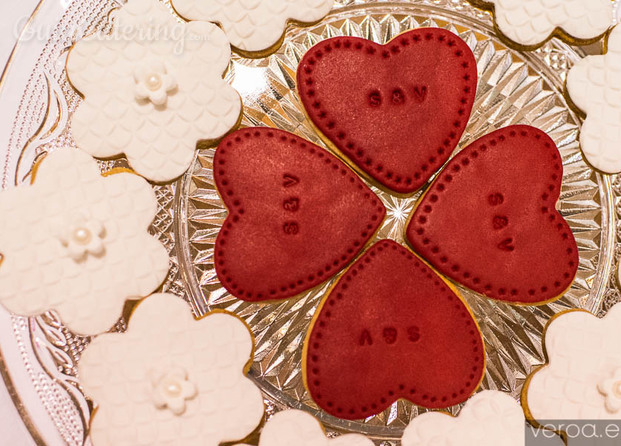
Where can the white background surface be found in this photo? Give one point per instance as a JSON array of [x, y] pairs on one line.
[[13, 15]]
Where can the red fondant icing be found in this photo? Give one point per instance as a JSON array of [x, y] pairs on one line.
[[392, 328], [489, 220], [396, 110], [297, 215]]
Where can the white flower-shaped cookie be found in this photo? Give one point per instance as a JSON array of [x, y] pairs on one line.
[[78, 243], [530, 23], [295, 427], [153, 88], [171, 380], [594, 85], [489, 418], [582, 380], [254, 25]]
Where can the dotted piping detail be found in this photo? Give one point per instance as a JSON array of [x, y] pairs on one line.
[[313, 362], [548, 197], [236, 213], [358, 154]]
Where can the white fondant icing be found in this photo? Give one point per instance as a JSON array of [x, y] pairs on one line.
[[295, 427], [489, 418], [50, 224], [118, 370], [148, 46], [254, 25], [594, 86], [531, 22], [582, 352]]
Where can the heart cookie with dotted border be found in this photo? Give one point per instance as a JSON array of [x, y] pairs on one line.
[[489, 220], [391, 328], [313, 217], [397, 111]]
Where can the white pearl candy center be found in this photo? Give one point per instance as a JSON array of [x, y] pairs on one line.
[[154, 82], [174, 389], [82, 236]]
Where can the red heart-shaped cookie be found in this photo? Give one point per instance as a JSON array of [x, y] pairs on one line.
[[397, 110], [489, 220], [297, 215], [391, 328]]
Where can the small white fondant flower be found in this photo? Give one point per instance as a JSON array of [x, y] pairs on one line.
[[172, 390], [78, 243], [582, 380], [611, 389], [152, 89], [254, 25], [171, 380], [82, 237], [154, 82]]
